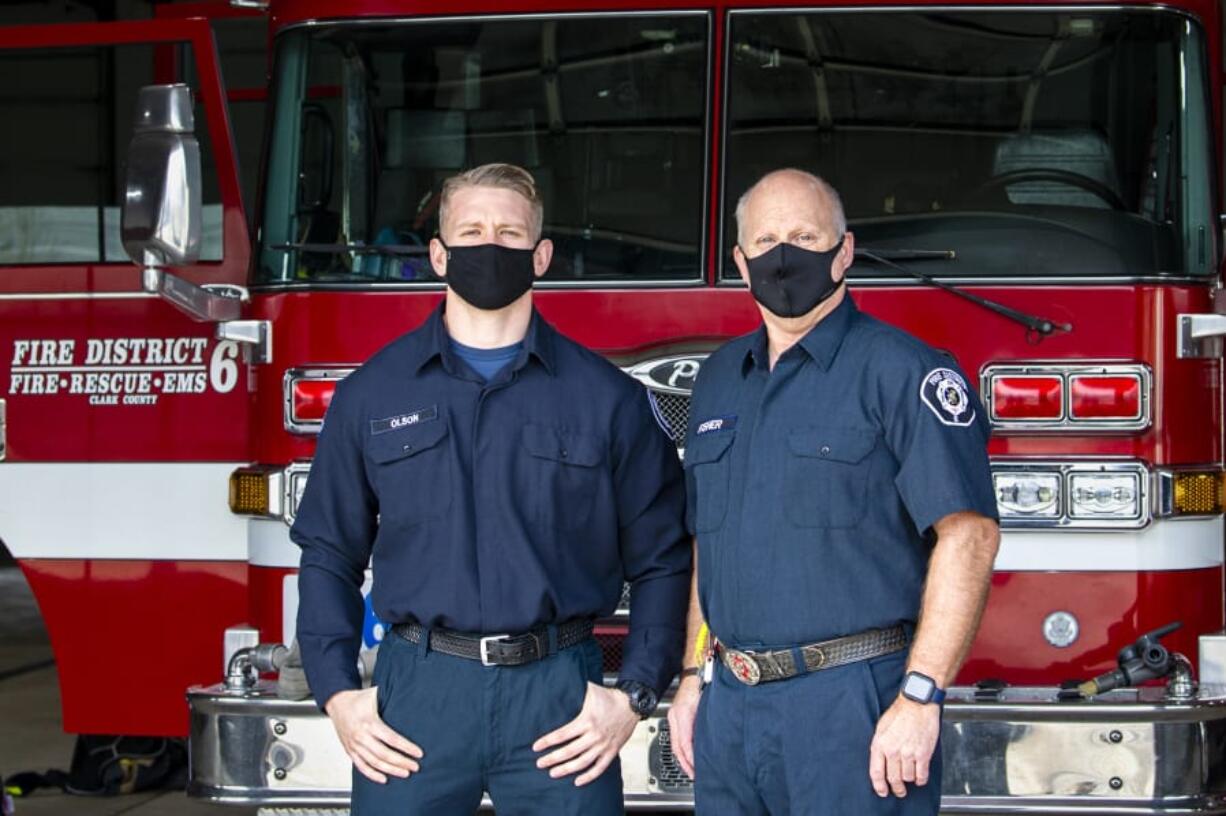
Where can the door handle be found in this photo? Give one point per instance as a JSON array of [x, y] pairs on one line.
[[1199, 335]]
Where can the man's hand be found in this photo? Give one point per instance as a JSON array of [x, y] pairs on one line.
[[591, 740], [681, 716], [903, 745], [376, 750]]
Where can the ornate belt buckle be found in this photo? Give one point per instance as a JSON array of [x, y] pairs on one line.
[[743, 666]]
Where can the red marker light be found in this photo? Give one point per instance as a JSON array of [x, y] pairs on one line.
[[311, 399], [1099, 396], [1027, 397]]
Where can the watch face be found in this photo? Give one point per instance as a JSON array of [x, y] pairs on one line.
[[918, 688], [644, 701]]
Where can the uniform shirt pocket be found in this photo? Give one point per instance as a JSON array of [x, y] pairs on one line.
[[411, 470], [566, 475], [826, 476], [707, 459]]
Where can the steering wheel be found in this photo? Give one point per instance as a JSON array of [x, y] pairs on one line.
[[1090, 185]]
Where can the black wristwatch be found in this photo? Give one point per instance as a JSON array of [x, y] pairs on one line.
[[643, 698], [922, 689]]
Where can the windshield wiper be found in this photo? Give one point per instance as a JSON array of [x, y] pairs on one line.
[[394, 250], [909, 254], [1039, 325]]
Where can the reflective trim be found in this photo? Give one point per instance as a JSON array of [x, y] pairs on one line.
[[76, 295], [1167, 544], [163, 511], [269, 544]]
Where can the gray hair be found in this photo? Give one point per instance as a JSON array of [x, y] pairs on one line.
[[503, 176], [837, 218]]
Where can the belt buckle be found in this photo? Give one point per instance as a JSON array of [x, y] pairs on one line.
[[483, 648], [821, 659], [743, 666]]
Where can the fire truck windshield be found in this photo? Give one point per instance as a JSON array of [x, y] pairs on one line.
[[609, 113], [1078, 140]]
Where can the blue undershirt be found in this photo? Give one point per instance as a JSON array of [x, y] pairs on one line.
[[487, 362]]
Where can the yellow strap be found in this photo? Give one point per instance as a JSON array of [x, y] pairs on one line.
[[700, 644]]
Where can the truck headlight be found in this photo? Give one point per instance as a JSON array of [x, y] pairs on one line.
[[1027, 495]]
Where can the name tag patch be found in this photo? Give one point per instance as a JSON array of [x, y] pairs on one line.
[[378, 426], [724, 423]]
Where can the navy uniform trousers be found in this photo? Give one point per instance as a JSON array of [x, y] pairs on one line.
[[799, 747], [476, 725]]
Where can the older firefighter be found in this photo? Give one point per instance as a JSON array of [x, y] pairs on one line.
[[840, 494]]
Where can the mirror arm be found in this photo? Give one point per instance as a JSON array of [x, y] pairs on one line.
[[221, 304], [196, 302]]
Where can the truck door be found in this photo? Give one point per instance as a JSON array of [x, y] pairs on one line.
[[121, 417]]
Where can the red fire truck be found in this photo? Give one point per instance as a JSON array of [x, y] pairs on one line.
[[1036, 187]]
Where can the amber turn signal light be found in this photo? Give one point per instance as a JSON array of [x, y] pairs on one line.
[[1197, 492], [253, 492]]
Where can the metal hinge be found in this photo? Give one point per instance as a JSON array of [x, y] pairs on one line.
[[1199, 335], [254, 335]]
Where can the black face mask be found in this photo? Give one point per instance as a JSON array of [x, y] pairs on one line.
[[790, 281], [489, 276]]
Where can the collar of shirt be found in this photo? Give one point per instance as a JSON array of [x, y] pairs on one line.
[[435, 343], [821, 343]]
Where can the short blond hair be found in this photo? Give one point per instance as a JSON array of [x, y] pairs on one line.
[[504, 176]]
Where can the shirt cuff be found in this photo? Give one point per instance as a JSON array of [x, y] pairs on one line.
[[652, 656], [329, 680]]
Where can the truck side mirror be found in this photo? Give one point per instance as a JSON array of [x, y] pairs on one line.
[[160, 222]]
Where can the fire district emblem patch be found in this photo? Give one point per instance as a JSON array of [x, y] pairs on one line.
[[944, 392]]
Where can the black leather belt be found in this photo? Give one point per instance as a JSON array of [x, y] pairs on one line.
[[752, 668], [498, 650]]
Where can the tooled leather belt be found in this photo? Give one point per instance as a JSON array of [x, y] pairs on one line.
[[498, 650], [752, 668]]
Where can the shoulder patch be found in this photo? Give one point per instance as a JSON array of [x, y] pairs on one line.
[[724, 423], [945, 393], [378, 426]]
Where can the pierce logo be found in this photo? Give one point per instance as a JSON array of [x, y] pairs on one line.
[[122, 370]]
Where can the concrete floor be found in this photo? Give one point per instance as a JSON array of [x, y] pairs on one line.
[[32, 734]]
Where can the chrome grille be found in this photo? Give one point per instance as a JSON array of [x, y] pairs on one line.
[[669, 382], [663, 765], [673, 413]]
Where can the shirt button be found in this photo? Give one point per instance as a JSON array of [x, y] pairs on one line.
[[408, 447], [564, 453], [825, 450]]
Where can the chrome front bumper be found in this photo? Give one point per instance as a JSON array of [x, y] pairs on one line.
[[252, 748], [1130, 752]]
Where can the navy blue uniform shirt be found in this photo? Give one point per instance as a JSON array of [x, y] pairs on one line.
[[813, 487], [491, 507]]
